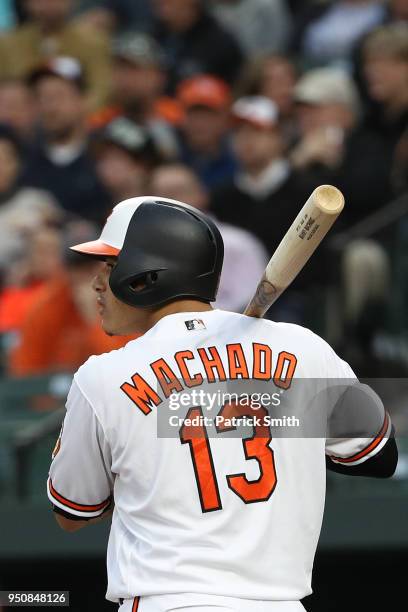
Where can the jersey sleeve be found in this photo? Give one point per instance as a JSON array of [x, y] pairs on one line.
[[80, 480], [358, 426]]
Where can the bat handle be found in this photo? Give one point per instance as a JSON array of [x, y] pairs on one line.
[[253, 311]]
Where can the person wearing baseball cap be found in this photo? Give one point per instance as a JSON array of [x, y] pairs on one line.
[[265, 193], [327, 107], [139, 81], [125, 153], [66, 68], [328, 110], [326, 96], [203, 135], [204, 90], [50, 32], [264, 190], [59, 160]]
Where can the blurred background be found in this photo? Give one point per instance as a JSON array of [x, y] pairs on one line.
[[241, 108]]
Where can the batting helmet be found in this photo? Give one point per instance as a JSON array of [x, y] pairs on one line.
[[165, 250]]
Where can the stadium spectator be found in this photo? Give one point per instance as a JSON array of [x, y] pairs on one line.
[[49, 33], [138, 85], [328, 31], [385, 68], [203, 136], [332, 149], [327, 110], [259, 25], [125, 155], [113, 15], [273, 76], [61, 328], [22, 209], [245, 257], [374, 146], [17, 108], [60, 160], [194, 42], [39, 261], [264, 194]]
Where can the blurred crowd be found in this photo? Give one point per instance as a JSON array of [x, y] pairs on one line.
[[238, 107]]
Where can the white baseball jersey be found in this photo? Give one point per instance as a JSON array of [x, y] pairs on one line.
[[198, 510]]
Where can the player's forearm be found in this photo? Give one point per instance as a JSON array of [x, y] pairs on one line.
[[71, 524]]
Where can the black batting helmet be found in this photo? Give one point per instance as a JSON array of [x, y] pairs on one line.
[[165, 250]]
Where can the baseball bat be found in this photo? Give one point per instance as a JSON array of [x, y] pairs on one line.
[[298, 244]]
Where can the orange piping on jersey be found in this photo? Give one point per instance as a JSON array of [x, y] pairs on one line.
[[74, 505], [166, 377], [212, 363], [373, 445], [141, 393], [257, 372], [189, 381], [283, 359], [135, 604], [236, 361]]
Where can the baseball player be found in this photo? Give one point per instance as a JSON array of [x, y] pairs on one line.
[[201, 520]]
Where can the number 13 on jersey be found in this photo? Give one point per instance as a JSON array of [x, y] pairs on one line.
[[256, 447]]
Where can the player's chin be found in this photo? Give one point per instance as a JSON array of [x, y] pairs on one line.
[[112, 328], [109, 328]]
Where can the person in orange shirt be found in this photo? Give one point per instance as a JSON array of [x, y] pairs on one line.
[[27, 275], [61, 328]]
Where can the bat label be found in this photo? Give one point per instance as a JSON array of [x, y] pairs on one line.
[[308, 225], [314, 230]]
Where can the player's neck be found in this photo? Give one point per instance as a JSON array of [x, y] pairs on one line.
[[177, 306]]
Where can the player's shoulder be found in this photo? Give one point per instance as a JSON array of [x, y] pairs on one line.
[[321, 356], [97, 367], [288, 329], [294, 329], [274, 330], [301, 336]]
